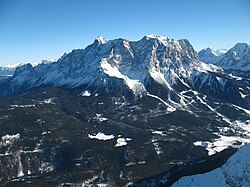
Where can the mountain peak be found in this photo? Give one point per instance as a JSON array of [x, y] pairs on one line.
[[241, 47], [210, 55], [48, 60], [154, 36], [101, 40]]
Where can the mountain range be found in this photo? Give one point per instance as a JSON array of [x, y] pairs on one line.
[[103, 114], [8, 70], [235, 59]]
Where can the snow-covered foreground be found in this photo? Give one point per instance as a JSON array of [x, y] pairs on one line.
[[225, 141], [235, 172]]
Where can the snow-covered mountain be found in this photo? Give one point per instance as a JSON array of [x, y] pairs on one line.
[[235, 172], [126, 67], [8, 70], [237, 58], [210, 55], [220, 51]]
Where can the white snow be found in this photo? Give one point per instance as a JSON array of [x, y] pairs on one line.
[[122, 142], [243, 95], [134, 84], [48, 101], [46, 167], [86, 93], [46, 132], [235, 172], [22, 106], [142, 162], [220, 51], [235, 77], [157, 147], [20, 167], [9, 139], [238, 107], [170, 108], [101, 40], [111, 70], [101, 136], [158, 132], [225, 141], [99, 118]]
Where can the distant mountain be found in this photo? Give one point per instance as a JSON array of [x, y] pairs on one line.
[[220, 51], [8, 70], [236, 58], [235, 172], [211, 56]]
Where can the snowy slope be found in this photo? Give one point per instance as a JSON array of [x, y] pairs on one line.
[[235, 172]]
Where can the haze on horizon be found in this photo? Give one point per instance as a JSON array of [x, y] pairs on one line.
[[34, 30]]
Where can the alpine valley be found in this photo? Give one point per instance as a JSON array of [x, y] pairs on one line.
[[128, 113]]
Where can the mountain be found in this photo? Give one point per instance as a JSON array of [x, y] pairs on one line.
[[8, 70], [120, 112], [120, 66], [235, 172], [211, 56], [235, 59], [220, 52]]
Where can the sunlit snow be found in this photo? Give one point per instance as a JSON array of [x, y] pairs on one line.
[[101, 136]]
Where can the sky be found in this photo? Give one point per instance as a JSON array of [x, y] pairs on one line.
[[32, 30]]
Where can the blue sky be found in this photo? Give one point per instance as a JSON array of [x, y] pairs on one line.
[[32, 30]]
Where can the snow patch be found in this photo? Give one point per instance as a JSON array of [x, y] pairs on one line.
[[99, 118], [86, 93], [158, 132], [48, 101], [20, 167], [9, 139], [225, 141], [169, 109], [122, 142], [22, 106], [135, 85], [101, 136]]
